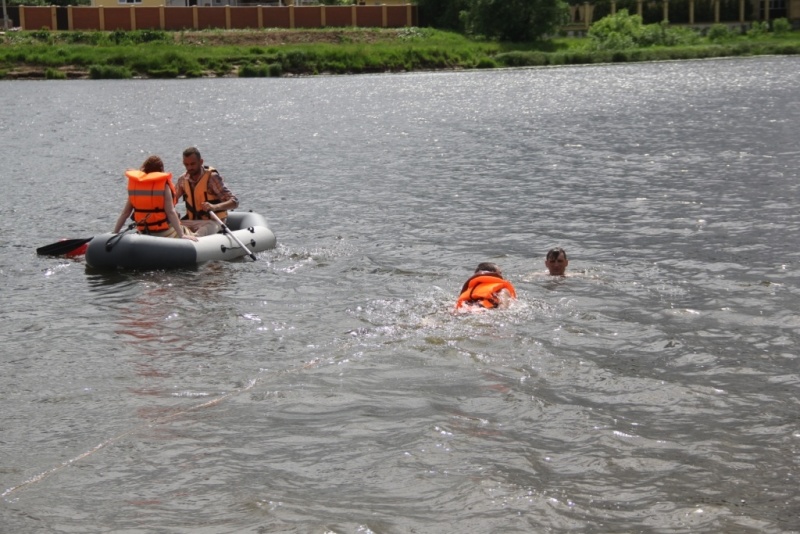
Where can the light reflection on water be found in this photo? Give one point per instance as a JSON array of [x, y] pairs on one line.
[[329, 387]]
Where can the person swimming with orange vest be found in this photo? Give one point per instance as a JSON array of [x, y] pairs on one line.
[[486, 288], [151, 202]]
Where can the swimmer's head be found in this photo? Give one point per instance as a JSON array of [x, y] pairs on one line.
[[556, 261], [488, 267]]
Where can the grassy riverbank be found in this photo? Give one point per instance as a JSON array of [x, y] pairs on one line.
[[217, 53]]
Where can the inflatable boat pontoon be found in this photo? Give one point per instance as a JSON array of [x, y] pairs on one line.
[[129, 250]]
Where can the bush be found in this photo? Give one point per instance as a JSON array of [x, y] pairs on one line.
[[44, 35], [108, 72], [719, 32], [150, 36], [519, 58], [781, 26], [170, 72], [253, 71], [138, 36], [118, 36], [616, 32], [516, 21], [615, 41], [54, 74], [79, 37], [486, 63], [622, 31], [758, 29], [272, 70]]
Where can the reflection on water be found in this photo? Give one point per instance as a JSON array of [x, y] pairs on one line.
[[328, 386]]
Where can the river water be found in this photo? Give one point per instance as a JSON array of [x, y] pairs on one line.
[[329, 388]]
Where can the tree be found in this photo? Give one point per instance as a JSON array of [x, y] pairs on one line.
[[516, 20], [443, 14]]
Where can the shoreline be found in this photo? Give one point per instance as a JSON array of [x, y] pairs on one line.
[[45, 55]]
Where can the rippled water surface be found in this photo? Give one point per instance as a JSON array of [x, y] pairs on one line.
[[329, 387]]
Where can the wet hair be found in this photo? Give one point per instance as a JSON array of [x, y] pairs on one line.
[[553, 253], [192, 151], [153, 164], [488, 267]]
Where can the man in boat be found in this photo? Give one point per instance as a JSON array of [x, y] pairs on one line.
[[556, 261], [203, 190], [151, 202], [486, 288]]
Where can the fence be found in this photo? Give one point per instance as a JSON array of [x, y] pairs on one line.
[[686, 12], [223, 17]]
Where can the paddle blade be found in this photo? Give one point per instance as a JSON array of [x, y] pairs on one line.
[[69, 247]]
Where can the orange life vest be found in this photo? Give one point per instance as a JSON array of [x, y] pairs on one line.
[[195, 194], [483, 289], [146, 193]]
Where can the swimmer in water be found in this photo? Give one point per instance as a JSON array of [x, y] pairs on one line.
[[556, 262], [486, 288]]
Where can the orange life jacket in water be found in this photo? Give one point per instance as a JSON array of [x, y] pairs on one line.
[[195, 194], [146, 193], [483, 289]]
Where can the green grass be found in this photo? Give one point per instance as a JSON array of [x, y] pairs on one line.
[[163, 55]]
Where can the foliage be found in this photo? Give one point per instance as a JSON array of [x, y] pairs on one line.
[[79, 37], [44, 35], [519, 58], [662, 34], [616, 32], [486, 63], [443, 14], [261, 70], [54, 74], [108, 72], [138, 36], [253, 71], [781, 26], [622, 31], [505, 20], [719, 32], [758, 29], [516, 20], [23, 55]]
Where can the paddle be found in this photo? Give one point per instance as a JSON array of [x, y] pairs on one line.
[[227, 231], [63, 247]]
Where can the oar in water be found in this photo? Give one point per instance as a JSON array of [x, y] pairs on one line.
[[65, 247], [228, 231]]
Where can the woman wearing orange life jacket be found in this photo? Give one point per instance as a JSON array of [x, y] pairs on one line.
[[151, 202], [486, 288]]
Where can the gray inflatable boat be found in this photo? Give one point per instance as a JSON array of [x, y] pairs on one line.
[[130, 250]]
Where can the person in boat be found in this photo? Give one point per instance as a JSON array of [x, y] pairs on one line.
[[151, 202], [203, 190], [486, 288], [556, 261]]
